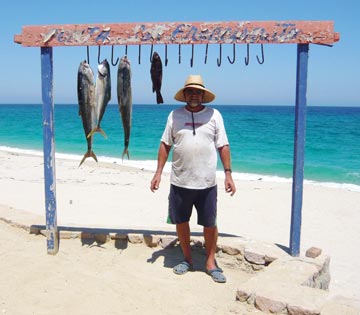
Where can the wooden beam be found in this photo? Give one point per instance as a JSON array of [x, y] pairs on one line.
[[239, 32]]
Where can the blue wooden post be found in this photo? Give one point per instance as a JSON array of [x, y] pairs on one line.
[[299, 148], [49, 149]]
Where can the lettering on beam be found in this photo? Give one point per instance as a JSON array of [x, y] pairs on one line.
[[178, 33]]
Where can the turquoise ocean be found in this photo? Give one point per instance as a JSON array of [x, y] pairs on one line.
[[261, 138]]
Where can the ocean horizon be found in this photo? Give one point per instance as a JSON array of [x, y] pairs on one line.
[[261, 139]]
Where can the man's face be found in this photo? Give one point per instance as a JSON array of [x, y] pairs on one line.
[[193, 96]]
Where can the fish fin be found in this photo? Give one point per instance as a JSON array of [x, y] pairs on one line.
[[97, 129], [89, 153], [159, 98], [102, 132], [126, 151], [91, 133]]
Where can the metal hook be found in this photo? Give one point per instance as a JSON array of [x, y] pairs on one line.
[[112, 57], [192, 56], [247, 59], [206, 52], [219, 59], [179, 53], [139, 54], [262, 54], [151, 52], [88, 54], [99, 55], [233, 60], [166, 58]]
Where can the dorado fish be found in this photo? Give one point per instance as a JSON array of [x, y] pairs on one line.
[[102, 94], [86, 98], [125, 99], [156, 76]]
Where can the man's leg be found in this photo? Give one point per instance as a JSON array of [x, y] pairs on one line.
[[211, 236], [216, 273], [183, 232]]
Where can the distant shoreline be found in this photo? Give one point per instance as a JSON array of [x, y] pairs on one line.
[[150, 165]]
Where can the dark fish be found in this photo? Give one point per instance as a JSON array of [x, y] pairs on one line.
[[86, 100], [102, 94], [156, 76], [125, 99]]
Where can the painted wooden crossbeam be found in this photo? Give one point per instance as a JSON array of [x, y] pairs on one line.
[[240, 32]]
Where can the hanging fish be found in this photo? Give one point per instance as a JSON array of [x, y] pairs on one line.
[[156, 76], [102, 94], [125, 99], [86, 100]]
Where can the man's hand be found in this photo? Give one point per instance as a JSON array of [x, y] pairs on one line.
[[229, 184], [155, 182]]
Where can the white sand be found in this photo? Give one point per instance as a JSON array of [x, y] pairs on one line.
[[91, 279]]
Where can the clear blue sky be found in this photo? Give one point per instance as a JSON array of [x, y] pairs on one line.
[[333, 74]]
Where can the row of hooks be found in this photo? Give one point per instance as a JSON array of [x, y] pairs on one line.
[[219, 59]]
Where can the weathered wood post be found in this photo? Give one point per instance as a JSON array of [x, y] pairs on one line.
[[299, 148], [49, 149]]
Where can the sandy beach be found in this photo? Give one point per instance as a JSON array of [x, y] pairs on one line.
[[94, 279]]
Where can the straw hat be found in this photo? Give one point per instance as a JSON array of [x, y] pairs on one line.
[[195, 82]]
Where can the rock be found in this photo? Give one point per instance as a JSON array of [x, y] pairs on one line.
[[102, 238], [135, 238], [68, 235], [151, 240], [298, 310], [119, 236], [251, 299], [257, 267], [87, 236], [313, 252], [268, 305], [242, 295], [269, 259], [254, 258], [35, 230], [168, 241], [230, 250]]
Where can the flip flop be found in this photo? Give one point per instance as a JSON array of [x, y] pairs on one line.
[[217, 275], [183, 268]]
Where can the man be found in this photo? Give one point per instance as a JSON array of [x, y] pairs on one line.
[[196, 133]]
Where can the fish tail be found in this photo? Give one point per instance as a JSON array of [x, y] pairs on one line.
[[97, 129], [159, 98], [89, 153], [126, 151]]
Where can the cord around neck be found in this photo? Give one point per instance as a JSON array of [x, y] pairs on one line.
[[193, 123]]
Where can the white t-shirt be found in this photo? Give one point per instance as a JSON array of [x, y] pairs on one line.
[[194, 157]]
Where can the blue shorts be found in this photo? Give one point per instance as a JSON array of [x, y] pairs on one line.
[[182, 200]]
